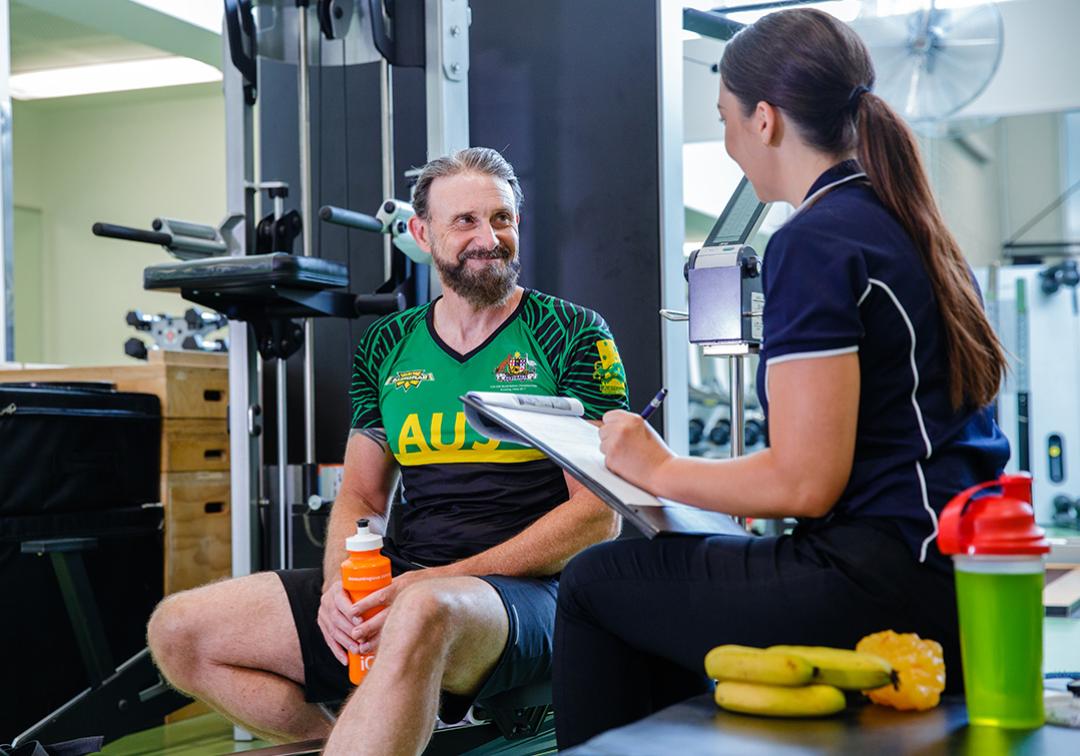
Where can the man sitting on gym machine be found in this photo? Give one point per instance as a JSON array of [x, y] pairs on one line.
[[490, 523]]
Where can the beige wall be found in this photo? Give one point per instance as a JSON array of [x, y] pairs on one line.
[[29, 308], [1033, 161], [986, 202], [968, 190], [121, 158]]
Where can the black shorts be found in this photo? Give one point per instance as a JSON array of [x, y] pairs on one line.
[[530, 609]]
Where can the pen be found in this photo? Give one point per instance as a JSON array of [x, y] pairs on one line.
[[652, 406]]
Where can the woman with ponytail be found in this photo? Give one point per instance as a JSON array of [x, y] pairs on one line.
[[877, 370]]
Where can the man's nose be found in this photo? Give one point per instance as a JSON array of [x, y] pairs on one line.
[[485, 235]]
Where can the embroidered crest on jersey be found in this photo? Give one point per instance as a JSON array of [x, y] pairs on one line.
[[408, 379], [608, 370], [515, 368]]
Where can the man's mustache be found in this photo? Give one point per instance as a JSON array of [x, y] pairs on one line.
[[498, 252]]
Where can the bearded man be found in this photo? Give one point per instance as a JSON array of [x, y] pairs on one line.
[[482, 529]]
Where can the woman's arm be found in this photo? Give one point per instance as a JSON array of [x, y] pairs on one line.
[[813, 413]]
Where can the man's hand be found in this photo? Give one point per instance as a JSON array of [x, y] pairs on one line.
[[337, 620], [632, 449], [366, 634]]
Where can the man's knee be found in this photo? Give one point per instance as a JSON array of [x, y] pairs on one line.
[[172, 635], [433, 618], [452, 624], [424, 608]]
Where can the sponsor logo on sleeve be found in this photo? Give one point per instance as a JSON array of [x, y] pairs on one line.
[[408, 379], [516, 368], [608, 370]]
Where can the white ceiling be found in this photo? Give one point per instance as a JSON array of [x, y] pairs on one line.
[[41, 41], [60, 33]]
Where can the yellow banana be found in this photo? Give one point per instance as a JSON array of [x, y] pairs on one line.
[[850, 670], [758, 666], [777, 701]]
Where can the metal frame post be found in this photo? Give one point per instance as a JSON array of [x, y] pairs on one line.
[[736, 405], [447, 75], [303, 96], [7, 201], [284, 541], [446, 45], [675, 355], [386, 107], [245, 372], [245, 446]]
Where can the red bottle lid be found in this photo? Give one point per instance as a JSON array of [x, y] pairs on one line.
[[995, 523]]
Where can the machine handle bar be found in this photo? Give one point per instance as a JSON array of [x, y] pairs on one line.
[[238, 21], [380, 304], [350, 218], [127, 233]]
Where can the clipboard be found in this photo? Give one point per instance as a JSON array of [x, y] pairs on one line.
[[556, 426]]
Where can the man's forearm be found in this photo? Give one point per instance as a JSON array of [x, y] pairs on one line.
[[347, 509], [548, 544]]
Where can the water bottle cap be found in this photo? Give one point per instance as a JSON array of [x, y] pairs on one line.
[[995, 523], [363, 539]]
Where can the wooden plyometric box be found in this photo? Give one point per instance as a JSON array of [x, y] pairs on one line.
[[198, 547], [189, 384], [193, 388], [194, 444]]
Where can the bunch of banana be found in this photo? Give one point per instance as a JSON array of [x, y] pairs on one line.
[[792, 681], [848, 670]]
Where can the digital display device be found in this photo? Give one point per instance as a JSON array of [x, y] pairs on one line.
[[741, 217]]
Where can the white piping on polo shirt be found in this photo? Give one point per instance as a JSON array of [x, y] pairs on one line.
[[918, 416], [914, 367], [865, 294]]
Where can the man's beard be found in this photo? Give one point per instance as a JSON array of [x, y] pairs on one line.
[[488, 286]]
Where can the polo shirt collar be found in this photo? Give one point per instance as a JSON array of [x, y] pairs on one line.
[[837, 172]]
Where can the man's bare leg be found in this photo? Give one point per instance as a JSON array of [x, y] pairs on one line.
[[233, 644], [444, 633]]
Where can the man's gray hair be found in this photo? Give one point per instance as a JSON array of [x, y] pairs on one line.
[[470, 160]]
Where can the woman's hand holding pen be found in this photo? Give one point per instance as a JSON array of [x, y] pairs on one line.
[[632, 449]]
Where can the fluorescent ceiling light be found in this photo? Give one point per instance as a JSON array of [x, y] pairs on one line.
[[205, 13], [845, 10], [901, 7], [110, 77]]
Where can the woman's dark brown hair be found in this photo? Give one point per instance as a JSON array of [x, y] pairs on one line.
[[817, 71]]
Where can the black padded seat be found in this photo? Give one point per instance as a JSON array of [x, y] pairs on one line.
[[263, 288], [238, 273]]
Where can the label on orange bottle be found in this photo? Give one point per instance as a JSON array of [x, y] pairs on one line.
[[363, 573]]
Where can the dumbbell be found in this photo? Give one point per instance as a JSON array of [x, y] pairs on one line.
[[1066, 511]]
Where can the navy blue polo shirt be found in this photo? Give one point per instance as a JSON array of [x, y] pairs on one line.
[[842, 276]]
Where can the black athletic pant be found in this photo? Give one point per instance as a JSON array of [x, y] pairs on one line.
[[636, 617]]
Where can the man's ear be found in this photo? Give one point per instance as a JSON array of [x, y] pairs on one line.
[[768, 124], [420, 232]]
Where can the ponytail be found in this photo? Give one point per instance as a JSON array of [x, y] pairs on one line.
[[889, 155], [818, 72]]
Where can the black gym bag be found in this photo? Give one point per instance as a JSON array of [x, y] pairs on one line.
[[70, 447]]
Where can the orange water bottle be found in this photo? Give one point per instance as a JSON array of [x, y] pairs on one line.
[[364, 572]]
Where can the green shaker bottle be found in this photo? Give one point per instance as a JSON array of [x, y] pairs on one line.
[[998, 559]]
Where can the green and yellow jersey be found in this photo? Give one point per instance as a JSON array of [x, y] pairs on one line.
[[464, 493]]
